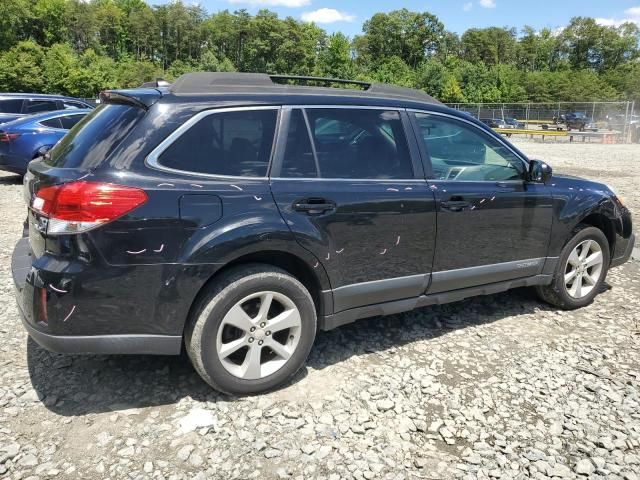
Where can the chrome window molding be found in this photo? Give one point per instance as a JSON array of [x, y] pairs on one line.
[[460, 119], [379, 180], [152, 159]]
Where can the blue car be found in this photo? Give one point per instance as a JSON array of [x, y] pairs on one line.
[[24, 139], [18, 105]]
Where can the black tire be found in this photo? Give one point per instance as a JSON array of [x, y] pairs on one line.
[[556, 293], [208, 314]]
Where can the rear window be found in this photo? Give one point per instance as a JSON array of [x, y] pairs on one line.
[[11, 105], [235, 143], [93, 138]]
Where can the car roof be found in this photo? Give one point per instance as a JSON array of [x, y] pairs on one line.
[[223, 83], [44, 96]]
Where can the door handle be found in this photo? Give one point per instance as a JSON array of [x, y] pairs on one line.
[[314, 206], [455, 204]]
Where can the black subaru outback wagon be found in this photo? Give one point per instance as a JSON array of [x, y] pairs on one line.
[[237, 214]]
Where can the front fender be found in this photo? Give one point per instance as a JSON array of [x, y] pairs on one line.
[[574, 201]]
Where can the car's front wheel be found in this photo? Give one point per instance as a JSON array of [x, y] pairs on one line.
[[252, 330], [581, 270]]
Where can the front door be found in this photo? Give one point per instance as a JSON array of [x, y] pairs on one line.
[[493, 225], [348, 186]]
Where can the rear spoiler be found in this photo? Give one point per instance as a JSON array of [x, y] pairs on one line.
[[135, 97]]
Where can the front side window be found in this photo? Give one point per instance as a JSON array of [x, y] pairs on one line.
[[350, 143], [234, 143], [71, 105], [35, 106], [463, 152]]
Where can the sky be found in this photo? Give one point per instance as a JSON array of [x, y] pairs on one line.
[[347, 16]]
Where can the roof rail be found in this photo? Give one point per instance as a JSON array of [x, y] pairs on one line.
[[323, 80], [211, 82]]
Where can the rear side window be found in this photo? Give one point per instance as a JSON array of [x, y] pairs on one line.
[[69, 121], [93, 139], [51, 123], [35, 106], [11, 105], [350, 143], [235, 143]]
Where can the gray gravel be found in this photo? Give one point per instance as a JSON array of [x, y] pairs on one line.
[[491, 387]]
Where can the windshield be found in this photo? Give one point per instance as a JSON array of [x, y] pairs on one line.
[[94, 137]]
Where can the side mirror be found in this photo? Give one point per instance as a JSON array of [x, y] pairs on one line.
[[539, 171]]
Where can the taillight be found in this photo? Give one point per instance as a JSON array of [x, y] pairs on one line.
[[8, 137], [80, 206]]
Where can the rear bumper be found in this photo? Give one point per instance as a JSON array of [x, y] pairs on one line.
[[13, 164], [628, 250], [24, 278]]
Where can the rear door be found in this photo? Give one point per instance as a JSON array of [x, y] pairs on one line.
[[349, 185]]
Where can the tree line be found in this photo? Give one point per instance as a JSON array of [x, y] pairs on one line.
[[79, 47]]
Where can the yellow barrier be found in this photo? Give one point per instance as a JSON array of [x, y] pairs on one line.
[[522, 131]]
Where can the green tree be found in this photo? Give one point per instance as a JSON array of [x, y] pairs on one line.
[[491, 45], [411, 36], [21, 68], [335, 58]]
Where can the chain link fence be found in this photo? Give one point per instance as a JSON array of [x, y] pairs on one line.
[[619, 118]]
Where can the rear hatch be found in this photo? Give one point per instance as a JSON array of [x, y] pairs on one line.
[[68, 167]]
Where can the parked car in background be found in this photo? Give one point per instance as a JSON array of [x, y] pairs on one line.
[[232, 216], [618, 122], [513, 123], [16, 105], [495, 123], [577, 121], [26, 138]]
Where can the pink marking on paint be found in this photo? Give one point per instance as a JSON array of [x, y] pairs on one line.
[[392, 190], [257, 198], [137, 253], [195, 185], [408, 188], [160, 249], [166, 185], [235, 186], [70, 313]]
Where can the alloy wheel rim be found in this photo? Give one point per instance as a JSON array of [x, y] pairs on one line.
[[258, 335], [583, 269]]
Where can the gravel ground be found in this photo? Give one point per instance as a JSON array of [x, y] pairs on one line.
[[491, 387]]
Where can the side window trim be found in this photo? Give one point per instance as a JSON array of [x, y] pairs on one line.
[[427, 158], [283, 130], [152, 160]]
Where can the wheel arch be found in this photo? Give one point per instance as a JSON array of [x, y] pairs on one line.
[[315, 280], [600, 221]]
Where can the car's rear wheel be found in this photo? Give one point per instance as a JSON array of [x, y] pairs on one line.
[[581, 270], [252, 330]]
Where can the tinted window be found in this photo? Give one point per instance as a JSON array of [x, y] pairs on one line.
[[226, 143], [11, 105], [51, 123], [359, 143], [298, 159], [94, 138], [69, 121], [460, 151], [34, 106]]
